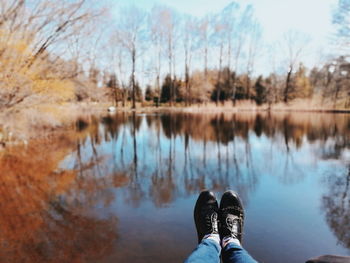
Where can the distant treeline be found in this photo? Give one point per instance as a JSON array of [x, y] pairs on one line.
[[191, 60], [330, 85], [53, 52]]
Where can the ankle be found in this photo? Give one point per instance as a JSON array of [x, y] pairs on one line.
[[214, 237], [227, 240]]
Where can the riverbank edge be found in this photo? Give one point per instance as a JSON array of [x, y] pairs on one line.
[[54, 120]]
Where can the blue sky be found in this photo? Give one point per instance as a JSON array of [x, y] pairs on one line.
[[312, 17], [276, 16]]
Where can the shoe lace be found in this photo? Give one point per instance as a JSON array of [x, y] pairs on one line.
[[232, 225], [233, 219], [211, 221]]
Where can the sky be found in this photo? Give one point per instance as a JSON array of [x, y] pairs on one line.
[[312, 17], [276, 16]]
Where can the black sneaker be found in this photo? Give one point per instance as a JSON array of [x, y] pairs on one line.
[[231, 216], [206, 214]]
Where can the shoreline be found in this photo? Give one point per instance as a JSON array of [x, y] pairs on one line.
[[45, 121]]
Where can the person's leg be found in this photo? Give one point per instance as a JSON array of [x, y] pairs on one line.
[[235, 253], [232, 221], [206, 221], [207, 251]]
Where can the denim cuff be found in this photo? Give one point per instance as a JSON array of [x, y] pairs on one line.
[[232, 245], [212, 243]]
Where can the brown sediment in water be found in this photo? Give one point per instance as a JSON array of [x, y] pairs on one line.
[[45, 209]]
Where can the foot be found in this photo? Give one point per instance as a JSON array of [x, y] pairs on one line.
[[231, 217], [206, 215]]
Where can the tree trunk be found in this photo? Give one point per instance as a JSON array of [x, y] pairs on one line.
[[133, 79], [187, 102], [158, 74], [206, 62], [287, 89], [248, 87], [336, 93], [170, 72], [219, 76]]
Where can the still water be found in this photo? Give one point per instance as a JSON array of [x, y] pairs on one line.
[[122, 188]]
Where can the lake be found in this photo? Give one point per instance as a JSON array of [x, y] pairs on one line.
[[122, 188]]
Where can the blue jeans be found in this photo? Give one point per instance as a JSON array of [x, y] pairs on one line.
[[208, 251]]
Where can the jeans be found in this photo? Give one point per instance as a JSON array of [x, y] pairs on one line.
[[208, 251]]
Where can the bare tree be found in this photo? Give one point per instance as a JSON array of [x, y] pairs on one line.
[[294, 43], [157, 34], [230, 20], [254, 43], [204, 33], [189, 44], [169, 23], [218, 41], [54, 22], [341, 21], [40, 31], [130, 34]]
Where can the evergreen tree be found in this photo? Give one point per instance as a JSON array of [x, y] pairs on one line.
[[166, 89], [260, 91], [149, 94]]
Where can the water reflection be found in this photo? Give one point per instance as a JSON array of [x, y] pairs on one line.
[[45, 210], [226, 139], [59, 196], [336, 205]]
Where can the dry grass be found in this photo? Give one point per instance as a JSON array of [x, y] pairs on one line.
[[45, 119]]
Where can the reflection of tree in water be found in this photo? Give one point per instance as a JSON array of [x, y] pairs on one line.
[[336, 205], [45, 212], [170, 175], [178, 155]]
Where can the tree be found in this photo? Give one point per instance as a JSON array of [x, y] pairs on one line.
[[34, 36], [254, 43], [157, 34], [218, 39], [166, 89], [189, 43], [203, 34], [341, 81], [230, 20], [223, 89], [138, 92], [341, 21], [113, 84], [169, 22], [260, 91], [130, 34], [294, 43], [272, 94], [169, 86], [302, 86], [332, 82], [149, 94]]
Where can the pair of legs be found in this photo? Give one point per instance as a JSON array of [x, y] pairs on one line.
[[219, 229]]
